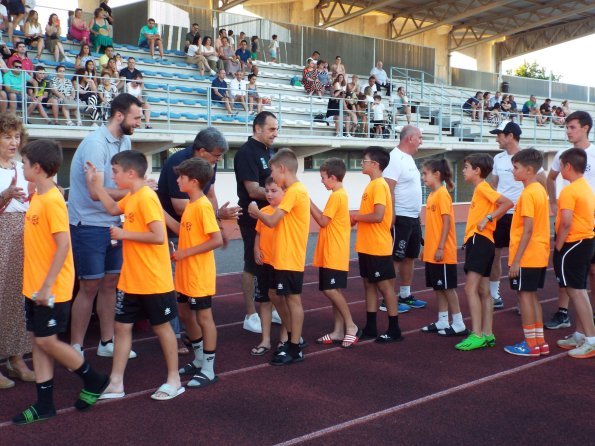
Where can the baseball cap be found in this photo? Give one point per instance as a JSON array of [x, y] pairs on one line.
[[507, 127]]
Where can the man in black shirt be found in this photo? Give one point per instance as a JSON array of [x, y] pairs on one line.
[[127, 74], [251, 166]]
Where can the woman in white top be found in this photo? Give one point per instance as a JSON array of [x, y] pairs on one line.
[[14, 194], [210, 53], [33, 35], [83, 56], [53, 32], [135, 88], [194, 56]]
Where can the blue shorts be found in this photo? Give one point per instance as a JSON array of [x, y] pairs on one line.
[[143, 44], [94, 255]]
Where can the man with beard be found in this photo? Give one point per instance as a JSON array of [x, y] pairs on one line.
[[98, 259]]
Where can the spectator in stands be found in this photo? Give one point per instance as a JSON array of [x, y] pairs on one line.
[[472, 106], [218, 40], [505, 106], [79, 30], [109, 53], [220, 93], [3, 97], [108, 12], [83, 56], [381, 78], [91, 73], [315, 57], [334, 107], [4, 22], [149, 37], [237, 90], [85, 93], [339, 83], [254, 47], [99, 32], [21, 56], [33, 32], [530, 109], [135, 88], [254, 98], [353, 86], [119, 62], [112, 71], [190, 35], [369, 94], [378, 116], [244, 56], [337, 68], [496, 99], [514, 108], [38, 94], [5, 53], [243, 36], [61, 95], [274, 48], [566, 107], [231, 62], [53, 33], [194, 56], [310, 79], [373, 85], [128, 73], [16, 11], [232, 42], [485, 106], [546, 110], [559, 118], [211, 54], [323, 74], [401, 103], [106, 92], [362, 115], [14, 81]]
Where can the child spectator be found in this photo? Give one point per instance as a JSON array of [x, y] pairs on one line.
[[574, 249], [135, 88], [146, 279], [487, 206], [291, 221], [199, 236], [254, 47], [440, 249], [378, 115], [38, 94], [374, 246], [254, 99], [274, 49], [48, 280], [529, 251]]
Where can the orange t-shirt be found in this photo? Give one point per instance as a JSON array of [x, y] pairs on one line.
[[47, 215], [266, 236], [375, 238], [332, 249], [196, 275], [146, 268], [439, 203], [532, 203], [291, 233], [483, 203], [578, 197]]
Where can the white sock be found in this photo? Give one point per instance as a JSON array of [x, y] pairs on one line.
[[198, 353], [442, 319], [457, 322], [208, 365], [495, 289], [590, 340], [579, 336], [404, 291]]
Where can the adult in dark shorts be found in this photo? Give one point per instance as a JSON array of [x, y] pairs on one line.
[[251, 166]]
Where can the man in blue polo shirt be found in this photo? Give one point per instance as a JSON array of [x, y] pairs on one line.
[[220, 92]]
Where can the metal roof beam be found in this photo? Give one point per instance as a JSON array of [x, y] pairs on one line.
[[347, 15], [224, 5]]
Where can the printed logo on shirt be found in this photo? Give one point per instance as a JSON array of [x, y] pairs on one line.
[[264, 163], [433, 208], [188, 226], [51, 323], [130, 217]]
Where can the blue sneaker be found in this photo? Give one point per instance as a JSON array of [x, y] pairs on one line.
[[403, 308], [412, 301], [522, 349]]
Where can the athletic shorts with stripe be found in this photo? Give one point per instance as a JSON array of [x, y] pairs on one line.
[[441, 276], [529, 279], [571, 263], [479, 255], [502, 232]]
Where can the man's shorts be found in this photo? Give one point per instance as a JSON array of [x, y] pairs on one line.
[[530, 279], [331, 279], [502, 232], [376, 268], [593, 259], [571, 264], [158, 308], [196, 303], [44, 321], [265, 281], [479, 255], [94, 255], [441, 276], [248, 236], [288, 282], [406, 234]]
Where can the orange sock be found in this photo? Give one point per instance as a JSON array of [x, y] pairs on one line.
[[539, 333], [529, 331]]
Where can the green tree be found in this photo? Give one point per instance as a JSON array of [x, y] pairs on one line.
[[534, 71]]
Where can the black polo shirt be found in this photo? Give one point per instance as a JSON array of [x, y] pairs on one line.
[[251, 163], [129, 75]]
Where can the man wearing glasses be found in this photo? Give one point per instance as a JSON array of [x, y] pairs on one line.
[[14, 84]]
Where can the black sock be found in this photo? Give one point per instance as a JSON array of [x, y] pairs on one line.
[[370, 327], [563, 310], [106, 342], [393, 326], [45, 397], [288, 336], [294, 349], [196, 341], [92, 379]]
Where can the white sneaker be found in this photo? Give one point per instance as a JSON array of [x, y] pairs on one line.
[[69, 123], [252, 323], [276, 318], [107, 351], [67, 59], [213, 73], [79, 350]]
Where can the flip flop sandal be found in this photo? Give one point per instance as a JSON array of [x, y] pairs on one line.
[[202, 380], [189, 369], [169, 391], [259, 350], [88, 398], [30, 415], [327, 340], [430, 328], [450, 332], [350, 340]]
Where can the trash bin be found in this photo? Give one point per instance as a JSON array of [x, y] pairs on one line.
[[505, 87]]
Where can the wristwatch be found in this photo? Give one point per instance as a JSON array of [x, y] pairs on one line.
[[489, 217]]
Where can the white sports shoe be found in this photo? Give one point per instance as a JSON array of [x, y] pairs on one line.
[[107, 351], [252, 323], [79, 350], [276, 318]]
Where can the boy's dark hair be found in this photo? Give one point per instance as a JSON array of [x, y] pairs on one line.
[[131, 160], [584, 119], [481, 161], [335, 167], [58, 67], [45, 152], [443, 167], [378, 154], [530, 157], [377, 97], [577, 158], [285, 157], [274, 36], [259, 119], [123, 102], [195, 169], [270, 180]]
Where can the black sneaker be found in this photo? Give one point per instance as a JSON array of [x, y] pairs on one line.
[[498, 303], [284, 345], [284, 358], [558, 320], [387, 338]]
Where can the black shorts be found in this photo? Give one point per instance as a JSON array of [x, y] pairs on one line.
[[375, 268], [593, 259], [530, 279], [406, 234], [571, 264], [502, 232], [377, 121], [265, 281], [44, 321], [331, 279], [441, 276], [248, 236], [158, 308], [288, 282], [196, 303], [479, 255]]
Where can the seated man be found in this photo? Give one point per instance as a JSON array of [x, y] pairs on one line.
[[546, 110], [373, 86], [190, 36], [472, 106], [381, 77], [14, 83], [220, 93], [401, 103], [105, 57], [244, 54], [149, 37], [530, 109], [237, 90], [496, 99]]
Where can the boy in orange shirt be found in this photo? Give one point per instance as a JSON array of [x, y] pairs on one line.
[[486, 207], [195, 278], [291, 221], [574, 247], [332, 252], [529, 251], [374, 246], [146, 278], [48, 280]]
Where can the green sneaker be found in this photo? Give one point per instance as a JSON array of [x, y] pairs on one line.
[[471, 342], [490, 340]]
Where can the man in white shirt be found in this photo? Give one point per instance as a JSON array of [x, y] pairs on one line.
[[404, 179], [381, 77], [578, 126], [237, 89]]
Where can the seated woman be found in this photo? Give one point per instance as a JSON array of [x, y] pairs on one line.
[[353, 87], [558, 116], [231, 62], [335, 104], [79, 30], [337, 68], [112, 71], [210, 53], [52, 33], [505, 107], [194, 56], [323, 75], [339, 83], [565, 107], [61, 95], [135, 88], [33, 33], [310, 79], [253, 96], [362, 115], [99, 31], [401, 102], [91, 74], [85, 95], [83, 56]]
